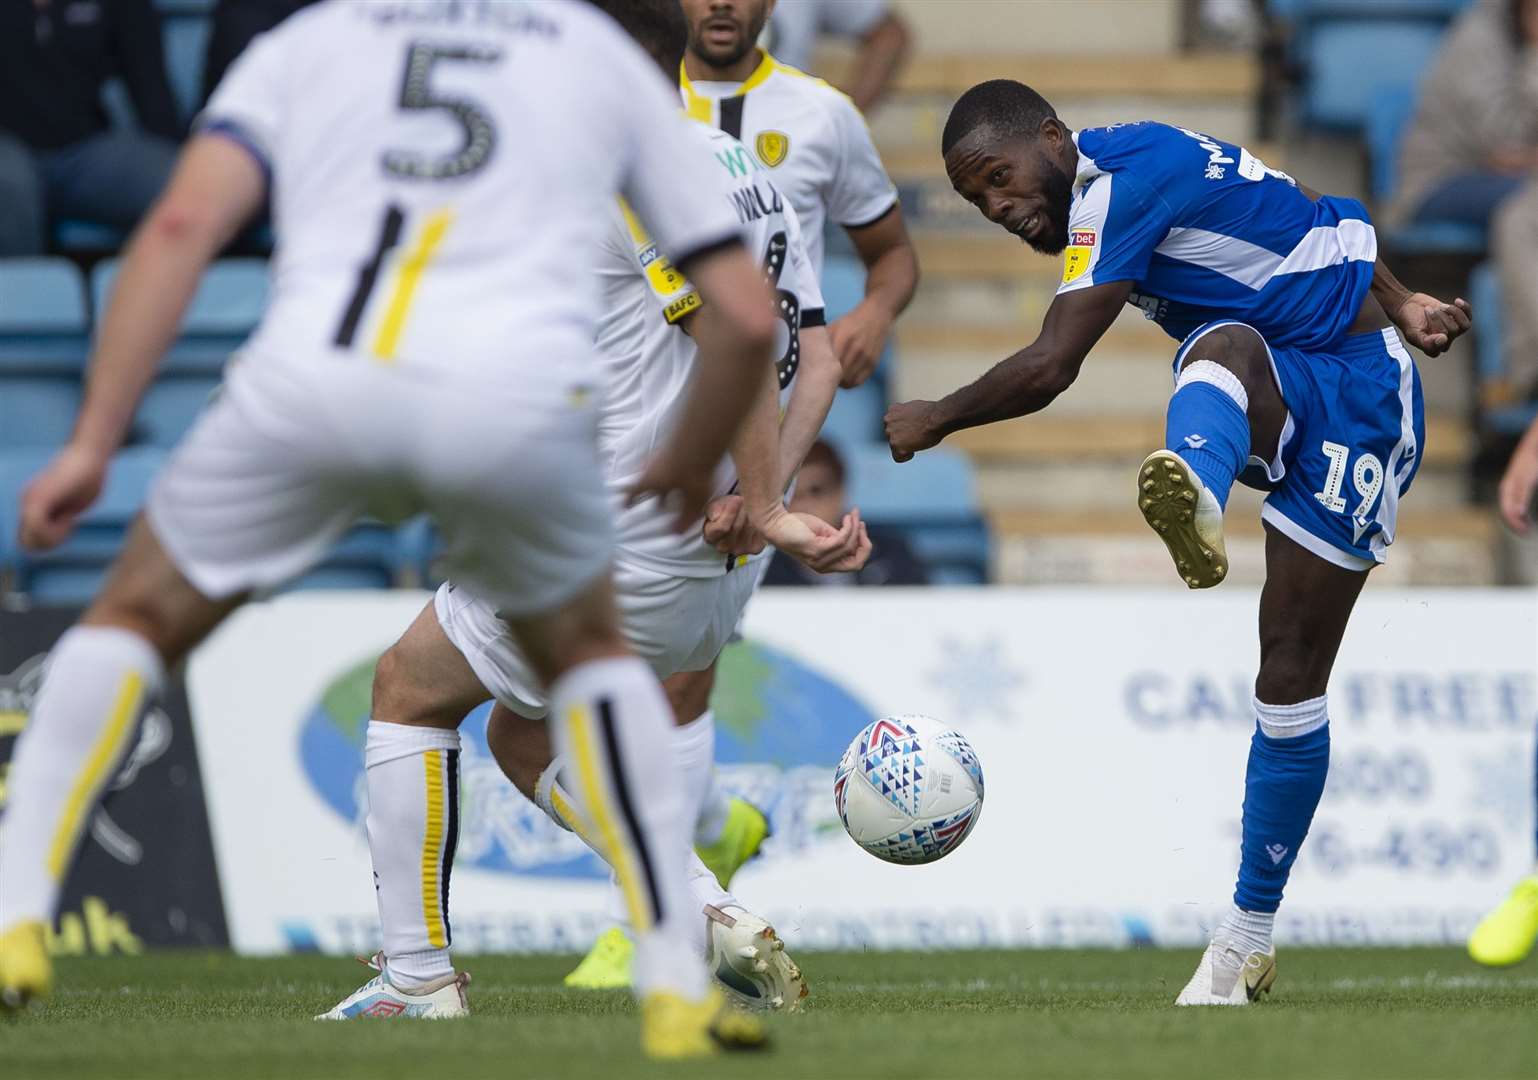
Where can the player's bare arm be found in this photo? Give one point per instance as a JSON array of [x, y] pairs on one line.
[[217, 187], [881, 54], [1519, 485], [1023, 383], [808, 539], [810, 400], [891, 276]]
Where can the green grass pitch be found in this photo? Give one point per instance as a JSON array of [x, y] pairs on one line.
[[1402, 1014]]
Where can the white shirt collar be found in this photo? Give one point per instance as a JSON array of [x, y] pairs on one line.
[[1085, 171]]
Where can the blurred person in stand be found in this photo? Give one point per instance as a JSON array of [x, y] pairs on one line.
[[821, 488], [59, 154], [1470, 156], [881, 37]]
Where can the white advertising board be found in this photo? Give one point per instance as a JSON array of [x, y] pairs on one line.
[[1112, 725]]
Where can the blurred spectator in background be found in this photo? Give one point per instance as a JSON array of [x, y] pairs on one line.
[[233, 24], [1474, 139], [881, 35], [820, 490], [1514, 242], [59, 156]]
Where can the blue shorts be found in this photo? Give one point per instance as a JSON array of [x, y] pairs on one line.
[[1349, 449]]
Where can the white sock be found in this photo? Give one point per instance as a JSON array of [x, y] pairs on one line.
[[612, 720], [715, 806], [413, 826], [695, 745], [1249, 930], [83, 724]]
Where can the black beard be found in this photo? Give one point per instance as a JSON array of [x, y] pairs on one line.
[[1059, 193]]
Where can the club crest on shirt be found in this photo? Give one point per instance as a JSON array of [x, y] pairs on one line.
[[772, 147]]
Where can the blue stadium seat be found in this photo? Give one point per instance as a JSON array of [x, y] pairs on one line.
[[932, 499], [43, 324], [169, 408], [1485, 296], [223, 312], [185, 38], [843, 287], [37, 411], [856, 415], [1367, 9], [71, 574], [1347, 61]]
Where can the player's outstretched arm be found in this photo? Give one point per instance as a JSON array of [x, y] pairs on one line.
[[720, 393], [1519, 485], [216, 188], [1024, 383], [1426, 322]]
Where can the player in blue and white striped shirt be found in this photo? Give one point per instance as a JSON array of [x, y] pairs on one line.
[[1289, 376]]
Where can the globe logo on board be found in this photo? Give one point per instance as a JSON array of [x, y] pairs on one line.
[[780, 728]]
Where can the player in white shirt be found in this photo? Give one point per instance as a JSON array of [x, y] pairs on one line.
[[679, 597], [815, 144], [432, 168]]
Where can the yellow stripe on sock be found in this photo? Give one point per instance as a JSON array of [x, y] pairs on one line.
[[432, 848], [574, 818], [105, 752], [620, 857], [406, 279]]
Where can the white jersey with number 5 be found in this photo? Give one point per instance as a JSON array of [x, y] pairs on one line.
[[440, 173]]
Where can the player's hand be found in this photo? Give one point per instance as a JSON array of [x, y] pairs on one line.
[[57, 496], [910, 427], [1518, 488], [729, 529], [810, 540], [1430, 325], [683, 489], [858, 341]]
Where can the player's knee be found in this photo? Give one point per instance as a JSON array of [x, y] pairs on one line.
[[1238, 348], [398, 698], [520, 746], [689, 693]]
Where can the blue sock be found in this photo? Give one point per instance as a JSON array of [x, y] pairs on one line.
[[1282, 787], [1207, 426]]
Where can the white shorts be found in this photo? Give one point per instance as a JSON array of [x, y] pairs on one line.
[[289, 455], [673, 623]]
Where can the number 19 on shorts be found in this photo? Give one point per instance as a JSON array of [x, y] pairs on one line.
[[1366, 478]]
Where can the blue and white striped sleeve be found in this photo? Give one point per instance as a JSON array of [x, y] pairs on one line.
[[1113, 228]]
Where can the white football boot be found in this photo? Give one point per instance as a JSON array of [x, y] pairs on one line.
[[1187, 517], [380, 999], [748, 959], [1227, 977]]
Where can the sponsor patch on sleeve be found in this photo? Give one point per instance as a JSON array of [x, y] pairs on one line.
[[685, 305], [1082, 238]]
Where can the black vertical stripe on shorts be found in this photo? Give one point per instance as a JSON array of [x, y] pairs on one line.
[[451, 840], [626, 807], [731, 115], [368, 274]]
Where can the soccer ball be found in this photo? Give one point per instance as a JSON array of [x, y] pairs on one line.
[[909, 789]]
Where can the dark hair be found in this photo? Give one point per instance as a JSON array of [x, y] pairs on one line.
[[657, 26], [825, 453], [1003, 106]]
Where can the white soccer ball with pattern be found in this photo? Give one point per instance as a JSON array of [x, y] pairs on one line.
[[909, 789]]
